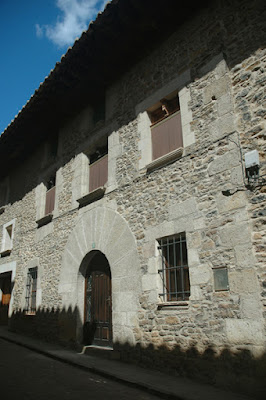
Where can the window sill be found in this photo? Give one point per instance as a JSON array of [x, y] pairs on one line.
[[174, 304], [44, 220], [165, 159], [96, 194], [5, 253]]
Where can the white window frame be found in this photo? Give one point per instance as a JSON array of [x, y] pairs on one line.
[[180, 84], [80, 182], [7, 239]]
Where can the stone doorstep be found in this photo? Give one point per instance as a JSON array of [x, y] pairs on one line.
[[101, 351]]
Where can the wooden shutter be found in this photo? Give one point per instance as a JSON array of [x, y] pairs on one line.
[[166, 135], [50, 200], [98, 173]]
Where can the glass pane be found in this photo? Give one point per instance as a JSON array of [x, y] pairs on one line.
[[184, 253], [186, 281]]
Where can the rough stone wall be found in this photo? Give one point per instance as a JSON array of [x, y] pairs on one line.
[[223, 48]]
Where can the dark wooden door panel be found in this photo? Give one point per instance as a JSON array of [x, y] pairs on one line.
[[98, 308]]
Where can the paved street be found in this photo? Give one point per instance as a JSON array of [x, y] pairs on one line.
[[26, 375]]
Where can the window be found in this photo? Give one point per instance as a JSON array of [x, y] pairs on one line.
[[3, 194], [174, 271], [177, 94], [166, 129], [52, 147], [98, 168], [31, 290], [45, 199], [8, 235], [50, 196], [99, 112]]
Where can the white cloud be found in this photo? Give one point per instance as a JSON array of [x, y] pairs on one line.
[[74, 19], [39, 31]]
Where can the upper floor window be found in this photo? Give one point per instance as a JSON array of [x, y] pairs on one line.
[[50, 196], [52, 146], [174, 271], [166, 128], [99, 111], [98, 168], [3, 194], [7, 240]]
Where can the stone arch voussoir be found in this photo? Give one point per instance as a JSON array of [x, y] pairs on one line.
[[105, 230]]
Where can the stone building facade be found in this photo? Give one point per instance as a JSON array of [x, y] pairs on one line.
[[192, 204]]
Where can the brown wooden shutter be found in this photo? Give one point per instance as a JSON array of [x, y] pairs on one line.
[[98, 173], [50, 200], [166, 135]]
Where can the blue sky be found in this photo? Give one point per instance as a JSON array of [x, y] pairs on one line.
[[34, 34]]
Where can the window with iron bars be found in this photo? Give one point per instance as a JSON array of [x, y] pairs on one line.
[[174, 271], [31, 291]]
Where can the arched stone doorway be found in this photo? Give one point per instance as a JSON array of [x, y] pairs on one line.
[[103, 230], [98, 302]]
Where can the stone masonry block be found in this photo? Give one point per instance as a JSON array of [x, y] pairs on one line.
[[226, 124], [224, 162], [237, 175], [187, 207], [244, 256], [217, 89], [243, 282], [149, 282], [224, 104], [193, 257], [200, 274], [195, 292], [234, 235], [226, 204], [250, 307], [125, 301], [244, 331]]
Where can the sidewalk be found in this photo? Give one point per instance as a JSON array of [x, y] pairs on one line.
[[157, 383]]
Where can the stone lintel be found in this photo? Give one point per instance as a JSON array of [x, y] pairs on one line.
[[165, 159], [44, 220], [5, 253], [92, 196]]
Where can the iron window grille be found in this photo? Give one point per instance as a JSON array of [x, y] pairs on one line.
[[31, 291], [174, 271]]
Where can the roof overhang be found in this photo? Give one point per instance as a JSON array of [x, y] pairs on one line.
[[120, 36]]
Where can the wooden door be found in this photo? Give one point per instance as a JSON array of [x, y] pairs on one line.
[[5, 286], [98, 306]]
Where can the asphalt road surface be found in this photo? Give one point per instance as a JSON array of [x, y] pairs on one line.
[[26, 375]]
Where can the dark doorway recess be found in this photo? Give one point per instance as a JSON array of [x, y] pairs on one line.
[[5, 286], [98, 302]]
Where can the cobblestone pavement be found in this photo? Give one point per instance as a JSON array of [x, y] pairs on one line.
[[26, 375]]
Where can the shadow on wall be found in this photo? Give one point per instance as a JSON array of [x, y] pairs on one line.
[[52, 325], [238, 371]]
